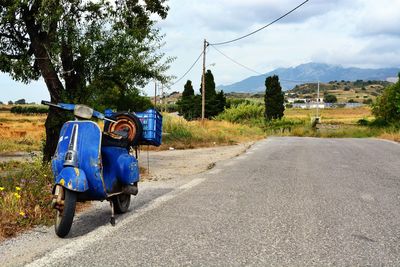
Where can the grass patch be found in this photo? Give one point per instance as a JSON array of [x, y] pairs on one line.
[[25, 196], [21, 132], [182, 134]]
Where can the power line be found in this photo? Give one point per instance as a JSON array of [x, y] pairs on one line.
[[269, 24], [234, 61], [191, 67], [257, 72]]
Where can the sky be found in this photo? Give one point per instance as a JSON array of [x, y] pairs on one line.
[[357, 33]]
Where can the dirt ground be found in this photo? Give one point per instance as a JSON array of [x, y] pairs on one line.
[[170, 164]]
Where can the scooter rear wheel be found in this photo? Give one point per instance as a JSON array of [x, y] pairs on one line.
[[121, 203], [65, 216]]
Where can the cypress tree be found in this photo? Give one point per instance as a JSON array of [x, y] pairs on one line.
[[274, 98], [187, 104]]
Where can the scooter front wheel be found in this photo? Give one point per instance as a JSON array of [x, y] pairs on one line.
[[65, 214], [121, 203]]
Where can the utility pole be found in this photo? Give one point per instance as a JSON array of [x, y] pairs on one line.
[[155, 93], [162, 96], [318, 100], [203, 82]]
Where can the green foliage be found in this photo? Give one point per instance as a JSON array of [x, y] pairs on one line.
[[24, 195], [274, 98], [387, 106], [83, 50], [189, 105], [367, 101], [20, 102], [233, 102], [244, 113], [281, 126], [120, 100], [329, 98], [215, 102], [177, 129], [363, 122], [29, 109], [188, 90], [169, 108]]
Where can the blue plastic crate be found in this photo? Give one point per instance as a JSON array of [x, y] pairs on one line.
[[151, 121]]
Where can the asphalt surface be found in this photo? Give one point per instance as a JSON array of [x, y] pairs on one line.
[[286, 201]]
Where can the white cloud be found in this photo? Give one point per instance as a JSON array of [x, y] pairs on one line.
[[349, 33], [363, 33]]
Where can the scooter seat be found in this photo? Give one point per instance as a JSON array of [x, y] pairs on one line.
[[117, 138], [124, 133]]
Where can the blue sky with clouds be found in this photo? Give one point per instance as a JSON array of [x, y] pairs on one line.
[[361, 33]]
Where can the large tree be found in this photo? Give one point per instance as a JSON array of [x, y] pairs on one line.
[[214, 103], [187, 104], [387, 106], [81, 49], [274, 98]]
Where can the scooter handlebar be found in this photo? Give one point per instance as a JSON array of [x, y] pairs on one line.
[[71, 107], [47, 103]]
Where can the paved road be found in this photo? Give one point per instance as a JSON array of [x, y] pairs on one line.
[[287, 201]]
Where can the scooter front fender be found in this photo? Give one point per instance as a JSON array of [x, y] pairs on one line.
[[73, 179]]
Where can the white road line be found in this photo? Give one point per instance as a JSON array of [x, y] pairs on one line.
[[192, 183], [215, 171], [80, 244]]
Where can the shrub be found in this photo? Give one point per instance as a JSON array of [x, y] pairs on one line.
[[363, 122], [29, 109], [329, 98], [387, 106], [234, 102], [243, 113], [367, 101]]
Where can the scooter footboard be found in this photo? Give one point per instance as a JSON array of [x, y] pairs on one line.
[[128, 169], [73, 179], [120, 168]]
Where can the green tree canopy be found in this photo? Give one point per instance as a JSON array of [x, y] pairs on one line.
[[189, 104], [214, 105], [387, 106], [329, 98], [274, 98], [188, 89], [81, 49]]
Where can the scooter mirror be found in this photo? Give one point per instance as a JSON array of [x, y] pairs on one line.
[[83, 111]]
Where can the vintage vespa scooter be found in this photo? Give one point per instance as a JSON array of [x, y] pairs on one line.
[[93, 165]]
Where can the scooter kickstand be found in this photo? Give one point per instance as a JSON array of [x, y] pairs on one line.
[[112, 219]]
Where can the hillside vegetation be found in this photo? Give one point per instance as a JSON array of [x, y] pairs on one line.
[[345, 91]]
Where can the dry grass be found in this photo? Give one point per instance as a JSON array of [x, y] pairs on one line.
[[25, 196], [182, 134], [393, 136], [21, 132], [331, 116]]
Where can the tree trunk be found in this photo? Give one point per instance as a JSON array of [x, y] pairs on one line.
[[53, 125], [55, 118]]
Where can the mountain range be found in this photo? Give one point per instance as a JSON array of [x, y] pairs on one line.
[[310, 72]]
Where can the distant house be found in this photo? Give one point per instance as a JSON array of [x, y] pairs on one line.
[[309, 105], [296, 100]]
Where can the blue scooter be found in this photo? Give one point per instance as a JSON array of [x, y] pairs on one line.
[[93, 165]]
